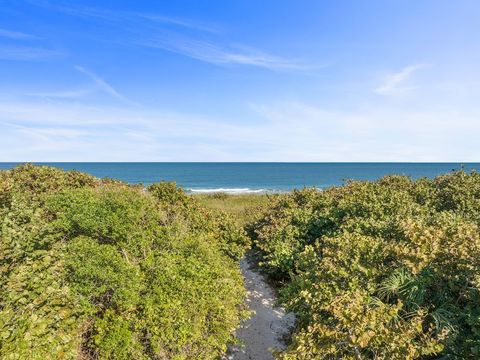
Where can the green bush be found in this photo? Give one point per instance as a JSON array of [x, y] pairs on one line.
[[379, 270], [96, 269]]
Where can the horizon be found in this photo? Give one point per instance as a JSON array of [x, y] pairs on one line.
[[239, 82], [240, 162], [251, 177]]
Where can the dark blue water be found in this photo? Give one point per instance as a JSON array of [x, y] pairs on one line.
[[251, 177]]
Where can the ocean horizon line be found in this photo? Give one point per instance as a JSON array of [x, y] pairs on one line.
[[252, 177], [240, 162]]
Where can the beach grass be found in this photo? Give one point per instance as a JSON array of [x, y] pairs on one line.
[[245, 208]]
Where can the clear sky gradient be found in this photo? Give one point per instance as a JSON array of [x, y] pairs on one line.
[[240, 80]]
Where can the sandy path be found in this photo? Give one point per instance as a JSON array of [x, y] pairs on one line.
[[267, 327]]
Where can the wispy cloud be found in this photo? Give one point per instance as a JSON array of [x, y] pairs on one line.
[[65, 94], [378, 133], [190, 24], [103, 85], [126, 16], [395, 83], [28, 53], [202, 42], [16, 35], [148, 27], [48, 133], [285, 131], [221, 55]]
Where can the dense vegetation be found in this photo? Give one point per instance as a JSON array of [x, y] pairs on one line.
[[244, 208], [96, 269], [379, 270]]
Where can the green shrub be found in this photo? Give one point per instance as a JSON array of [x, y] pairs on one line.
[[379, 270], [222, 227], [96, 269], [168, 193]]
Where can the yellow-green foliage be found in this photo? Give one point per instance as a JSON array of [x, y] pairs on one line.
[[244, 208], [379, 270], [96, 269]]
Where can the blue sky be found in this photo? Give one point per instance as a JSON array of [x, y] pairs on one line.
[[249, 80]]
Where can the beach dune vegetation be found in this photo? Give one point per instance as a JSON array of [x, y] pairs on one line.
[[379, 270], [97, 269]]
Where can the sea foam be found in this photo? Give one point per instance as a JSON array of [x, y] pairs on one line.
[[229, 191]]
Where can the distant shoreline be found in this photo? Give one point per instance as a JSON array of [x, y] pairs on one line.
[[235, 191], [251, 178]]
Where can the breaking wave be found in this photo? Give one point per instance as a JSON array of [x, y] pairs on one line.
[[229, 191]]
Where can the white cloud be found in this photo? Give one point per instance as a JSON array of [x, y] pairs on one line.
[[395, 83], [162, 19], [295, 131], [65, 94], [162, 32], [51, 133], [16, 35], [124, 17], [376, 133], [28, 53], [215, 54], [103, 85]]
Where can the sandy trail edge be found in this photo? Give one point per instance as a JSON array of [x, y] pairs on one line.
[[268, 326]]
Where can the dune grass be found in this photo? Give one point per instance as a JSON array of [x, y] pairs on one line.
[[244, 208]]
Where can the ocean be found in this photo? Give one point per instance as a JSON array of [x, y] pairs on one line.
[[255, 177]]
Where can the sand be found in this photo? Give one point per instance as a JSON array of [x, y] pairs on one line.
[[268, 327]]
